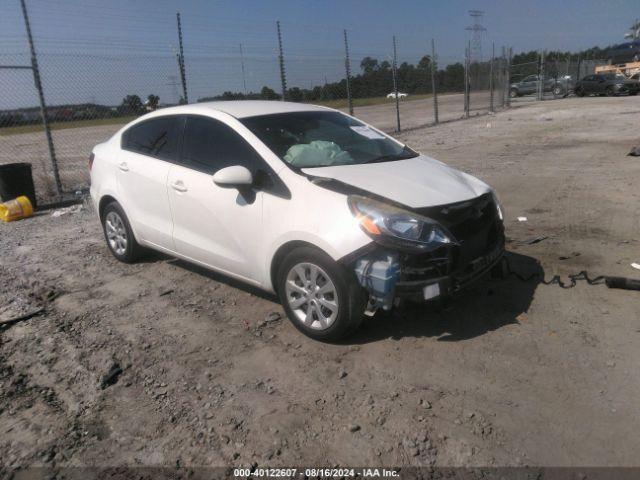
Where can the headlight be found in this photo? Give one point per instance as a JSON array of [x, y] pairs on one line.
[[498, 205], [396, 227]]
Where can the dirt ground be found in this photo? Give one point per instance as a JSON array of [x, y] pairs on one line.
[[513, 373]]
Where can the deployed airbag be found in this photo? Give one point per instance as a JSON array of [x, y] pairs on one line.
[[317, 153]]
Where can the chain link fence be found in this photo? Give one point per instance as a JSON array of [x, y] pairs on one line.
[[92, 90]]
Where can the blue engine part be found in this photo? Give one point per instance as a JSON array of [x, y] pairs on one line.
[[378, 274]]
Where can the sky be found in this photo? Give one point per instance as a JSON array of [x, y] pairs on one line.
[[99, 51]]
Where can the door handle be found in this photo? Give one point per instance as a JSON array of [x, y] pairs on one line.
[[178, 186], [124, 167]]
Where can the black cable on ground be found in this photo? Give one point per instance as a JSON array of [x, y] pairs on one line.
[[574, 278]]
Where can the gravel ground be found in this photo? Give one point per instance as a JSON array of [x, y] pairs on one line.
[[513, 373]]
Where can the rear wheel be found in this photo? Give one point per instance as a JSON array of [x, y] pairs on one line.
[[118, 234], [557, 91], [579, 92], [321, 298], [609, 92], [513, 93]]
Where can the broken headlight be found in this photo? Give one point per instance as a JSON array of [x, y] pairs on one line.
[[394, 227]]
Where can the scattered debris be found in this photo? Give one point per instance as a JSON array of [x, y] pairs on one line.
[[532, 240], [342, 374], [567, 257], [622, 283], [636, 265], [635, 152], [354, 428], [165, 292], [22, 318], [63, 211], [272, 317], [522, 219], [111, 377]]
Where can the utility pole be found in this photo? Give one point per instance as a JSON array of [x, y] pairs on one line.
[[244, 80], [183, 74], [434, 90], [283, 78], [395, 84], [43, 106], [347, 67]]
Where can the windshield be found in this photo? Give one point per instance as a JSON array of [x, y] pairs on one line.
[[320, 139]]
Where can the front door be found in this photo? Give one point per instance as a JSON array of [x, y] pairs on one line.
[[219, 227]]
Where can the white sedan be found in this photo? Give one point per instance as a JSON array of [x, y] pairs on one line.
[[332, 215], [400, 95]]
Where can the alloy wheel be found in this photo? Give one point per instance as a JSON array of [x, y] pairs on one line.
[[116, 233], [312, 296]]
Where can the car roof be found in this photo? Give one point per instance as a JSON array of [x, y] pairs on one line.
[[242, 108]]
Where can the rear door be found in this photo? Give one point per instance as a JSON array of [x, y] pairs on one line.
[[219, 227], [529, 85], [588, 84], [148, 148]]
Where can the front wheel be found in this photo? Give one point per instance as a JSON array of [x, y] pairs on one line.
[[513, 93], [579, 92], [321, 297]]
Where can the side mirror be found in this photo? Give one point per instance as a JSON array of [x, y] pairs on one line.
[[235, 176]]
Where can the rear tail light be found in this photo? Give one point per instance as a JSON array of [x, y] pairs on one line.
[[91, 157]]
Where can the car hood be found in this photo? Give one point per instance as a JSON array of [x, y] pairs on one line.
[[416, 182]]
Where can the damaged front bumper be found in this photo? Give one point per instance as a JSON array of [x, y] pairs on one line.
[[391, 275]]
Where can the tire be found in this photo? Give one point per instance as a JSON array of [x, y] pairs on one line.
[[513, 93], [341, 289], [609, 91], [579, 92], [557, 91], [119, 235]]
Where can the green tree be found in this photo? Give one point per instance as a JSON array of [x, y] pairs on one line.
[[131, 105]]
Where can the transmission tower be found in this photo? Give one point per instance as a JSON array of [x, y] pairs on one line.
[[476, 35]]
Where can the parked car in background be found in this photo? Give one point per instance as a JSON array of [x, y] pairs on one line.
[[559, 86], [624, 53], [334, 216], [606, 84], [400, 95]]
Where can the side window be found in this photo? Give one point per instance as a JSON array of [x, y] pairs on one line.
[[589, 78], [531, 78], [210, 145], [157, 137]]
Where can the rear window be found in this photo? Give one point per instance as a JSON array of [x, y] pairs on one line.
[[157, 138]]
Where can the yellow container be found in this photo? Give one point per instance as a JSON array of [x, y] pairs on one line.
[[16, 209]]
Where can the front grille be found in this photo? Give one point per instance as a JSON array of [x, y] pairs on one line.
[[474, 224]]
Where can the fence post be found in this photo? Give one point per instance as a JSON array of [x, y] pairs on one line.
[[183, 72], [43, 106], [283, 78], [493, 53], [466, 81], [508, 82], [347, 68], [434, 90], [244, 77], [395, 84]]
